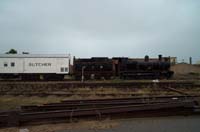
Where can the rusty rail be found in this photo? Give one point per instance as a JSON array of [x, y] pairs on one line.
[[106, 110], [177, 91], [74, 104], [67, 112], [131, 98]]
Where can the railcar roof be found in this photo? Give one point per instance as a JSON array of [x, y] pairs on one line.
[[34, 55]]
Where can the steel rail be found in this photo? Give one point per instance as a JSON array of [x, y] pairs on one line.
[[100, 103], [15, 118]]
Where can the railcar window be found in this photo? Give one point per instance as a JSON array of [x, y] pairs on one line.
[[62, 69], [12, 64], [66, 69], [5, 65]]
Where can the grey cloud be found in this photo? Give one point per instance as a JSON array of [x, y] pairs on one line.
[[88, 28]]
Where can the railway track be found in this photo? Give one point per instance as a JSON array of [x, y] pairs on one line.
[[61, 88], [102, 83], [68, 110], [78, 104]]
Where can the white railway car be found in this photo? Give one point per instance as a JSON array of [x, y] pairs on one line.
[[34, 67]]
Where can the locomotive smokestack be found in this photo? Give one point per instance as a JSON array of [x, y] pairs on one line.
[[146, 58], [160, 57]]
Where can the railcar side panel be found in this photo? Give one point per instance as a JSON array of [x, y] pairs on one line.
[[11, 65], [46, 65]]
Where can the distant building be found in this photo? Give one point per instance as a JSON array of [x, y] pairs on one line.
[[173, 60]]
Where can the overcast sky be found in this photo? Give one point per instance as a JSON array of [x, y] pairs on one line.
[[86, 28]]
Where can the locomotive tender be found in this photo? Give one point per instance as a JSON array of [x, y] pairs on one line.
[[93, 68], [56, 67], [34, 67]]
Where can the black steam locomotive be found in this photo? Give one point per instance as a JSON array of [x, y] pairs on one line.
[[122, 67]]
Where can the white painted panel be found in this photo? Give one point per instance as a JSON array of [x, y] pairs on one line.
[[35, 64], [45, 65], [17, 68], [62, 63]]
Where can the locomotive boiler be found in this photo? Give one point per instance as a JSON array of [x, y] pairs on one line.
[[145, 68]]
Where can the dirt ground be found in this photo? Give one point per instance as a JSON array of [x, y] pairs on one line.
[[185, 69], [12, 102], [90, 125], [186, 72]]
